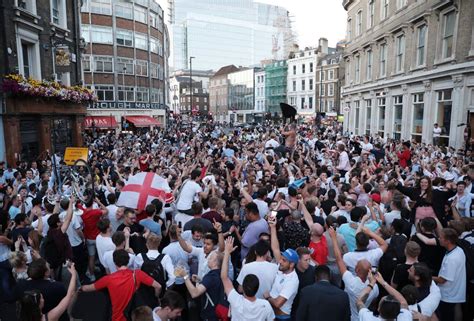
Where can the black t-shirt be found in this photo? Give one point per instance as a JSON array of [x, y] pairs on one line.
[[215, 289], [306, 278], [137, 242], [431, 255], [205, 224], [327, 205], [23, 231], [400, 275]]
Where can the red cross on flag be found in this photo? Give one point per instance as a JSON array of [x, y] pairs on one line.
[[142, 188]]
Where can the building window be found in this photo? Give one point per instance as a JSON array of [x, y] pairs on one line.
[[303, 103], [330, 105], [397, 116], [417, 124], [155, 46], [104, 92], [101, 7], [348, 72], [303, 68], [384, 9], [322, 75], [357, 69], [155, 96], [126, 93], [443, 113], [124, 66], [28, 5], [154, 73], [330, 74], [449, 20], [29, 63], [197, 99], [323, 90], [154, 20], [401, 3], [294, 70], [357, 117], [330, 89], [383, 60], [400, 54], [97, 34], [86, 63], [420, 45], [141, 68], [310, 102], [381, 115], [123, 10], [58, 13], [359, 23], [371, 14], [103, 64], [303, 85], [311, 84], [124, 38], [141, 41], [140, 14], [370, 59], [349, 29], [25, 54], [142, 94], [294, 85], [368, 115], [310, 67]]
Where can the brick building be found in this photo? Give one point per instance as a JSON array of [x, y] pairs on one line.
[[39, 39], [126, 62], [219, 93]]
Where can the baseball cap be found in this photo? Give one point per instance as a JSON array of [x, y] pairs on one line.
[[376, 197], [291, 256]]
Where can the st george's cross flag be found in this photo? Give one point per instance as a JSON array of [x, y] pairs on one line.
[[142, 188]]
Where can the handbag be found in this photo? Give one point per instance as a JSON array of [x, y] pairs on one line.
[[222, 311]]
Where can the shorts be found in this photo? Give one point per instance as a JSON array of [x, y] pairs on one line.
[[91, 249]]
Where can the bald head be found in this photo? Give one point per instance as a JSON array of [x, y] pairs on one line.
[[362, 269], [317, 229]]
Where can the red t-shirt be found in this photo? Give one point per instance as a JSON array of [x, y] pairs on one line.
[[403, 158], [212, 215], [143, 163], [90, 219], [320, 251], [121, 288]]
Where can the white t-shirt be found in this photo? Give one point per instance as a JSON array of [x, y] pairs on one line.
[[272, 143], [353, 287], [187, 195], [114, 223], [285, 285], [373, 256], [245, 310], [262, 207], [390, 216], [453, 270], [429, 304], [264, 271], [110, 265], [103, 244], [437, 132], [44, 218], [76, 223], [367, 147], [366, 315]]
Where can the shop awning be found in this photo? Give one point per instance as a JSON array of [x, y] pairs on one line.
[[142, 121], [100, 122]]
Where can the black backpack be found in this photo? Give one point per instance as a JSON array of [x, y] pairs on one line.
[[155, 269], [468, 249]]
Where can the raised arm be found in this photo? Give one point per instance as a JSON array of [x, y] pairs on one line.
[[307, 216], [229, 248], [426, 240], [380, 241], [275, 245], [68, 217], [184, 245], [56, 313], [397, 295], [337, 252], [220, 235]]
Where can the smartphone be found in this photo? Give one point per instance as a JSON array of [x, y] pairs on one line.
[[374, 270], [179, 224], [273, 214]]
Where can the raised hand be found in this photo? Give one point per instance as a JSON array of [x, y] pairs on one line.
[[229, 245]]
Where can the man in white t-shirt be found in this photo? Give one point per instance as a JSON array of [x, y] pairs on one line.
[[261, 268], [452, 276], [362, 252], [245, 307], [436, 134], [103, 241], [121, 241], [190, 192], [285, 286]]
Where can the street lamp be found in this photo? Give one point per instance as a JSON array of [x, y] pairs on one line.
[[191, 80]]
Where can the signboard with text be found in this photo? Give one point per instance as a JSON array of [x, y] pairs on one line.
[[72, 154], [126, 105]]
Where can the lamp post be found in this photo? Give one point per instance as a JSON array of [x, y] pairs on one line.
[[191, 80]]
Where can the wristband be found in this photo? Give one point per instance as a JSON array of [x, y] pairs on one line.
[[370, 286], [219, 232]]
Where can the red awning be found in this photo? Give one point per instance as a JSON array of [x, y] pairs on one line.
[[100, 122], [142, 121]]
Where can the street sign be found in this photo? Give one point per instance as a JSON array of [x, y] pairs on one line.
[[72, 154], [346, 109]]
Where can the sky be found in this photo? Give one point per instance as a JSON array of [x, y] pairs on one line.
[[313, 19]]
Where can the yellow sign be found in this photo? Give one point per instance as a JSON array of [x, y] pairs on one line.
[[340, 118], [72, 154]]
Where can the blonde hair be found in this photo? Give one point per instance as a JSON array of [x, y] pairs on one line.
[[17, 259]]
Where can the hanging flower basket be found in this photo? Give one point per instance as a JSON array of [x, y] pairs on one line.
[[17, 85]]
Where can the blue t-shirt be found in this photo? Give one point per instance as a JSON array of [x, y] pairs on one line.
[[13, 212], [214, 288], [151, 225], [349, 233]]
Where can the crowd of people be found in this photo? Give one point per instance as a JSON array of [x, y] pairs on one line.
[[277, 222]]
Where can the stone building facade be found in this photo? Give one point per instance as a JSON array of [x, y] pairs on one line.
[[219, 93], [40, 40], [409, 64], [126, 59], [329, 79]]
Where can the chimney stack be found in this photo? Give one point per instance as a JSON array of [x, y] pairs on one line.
[[323, 46]]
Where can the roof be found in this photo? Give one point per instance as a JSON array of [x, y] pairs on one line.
[[226, 70]]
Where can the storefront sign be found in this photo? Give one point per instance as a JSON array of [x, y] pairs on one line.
[[72, 154], [63, 57], [126, 105]]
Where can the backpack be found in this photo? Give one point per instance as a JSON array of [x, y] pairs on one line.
[[155, 269], [468, 250]]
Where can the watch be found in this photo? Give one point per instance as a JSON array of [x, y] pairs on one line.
[[186, 277]]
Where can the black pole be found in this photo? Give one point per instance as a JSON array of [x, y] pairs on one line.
[[321, 90]]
